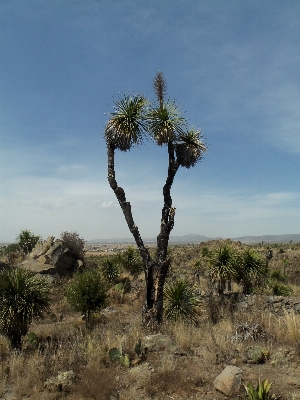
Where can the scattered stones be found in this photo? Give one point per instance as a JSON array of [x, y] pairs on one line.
[[249, 331], [62, 382], [229, 381]]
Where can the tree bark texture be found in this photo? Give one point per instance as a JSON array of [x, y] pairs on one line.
[[155, 269]]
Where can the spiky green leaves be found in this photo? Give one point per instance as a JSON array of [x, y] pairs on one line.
[[180, 302], [222, 266], [127, 123], [23, 297], [250, 270], [190, 149], [165, 123]]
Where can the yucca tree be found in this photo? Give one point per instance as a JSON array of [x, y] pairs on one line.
[[180, 302], [222, 266], [134, 117], [250, 270], [23, 297]]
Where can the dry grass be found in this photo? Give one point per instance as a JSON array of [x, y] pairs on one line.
[[203, 350]]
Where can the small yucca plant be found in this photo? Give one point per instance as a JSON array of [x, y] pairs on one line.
[[261, 392], [23, 297], [180, 302], [110, 267]]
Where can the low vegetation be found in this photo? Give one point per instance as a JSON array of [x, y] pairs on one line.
[[83, 337]]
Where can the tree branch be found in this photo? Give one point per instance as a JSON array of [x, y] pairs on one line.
[[125, 205], [168, 213]]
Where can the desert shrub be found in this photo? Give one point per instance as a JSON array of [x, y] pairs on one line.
[[11, 248], [74, 243], [131, 261], [205, 251], [278, 275], [280, 289], [87, 293], [180, 302], [27, 240], [23, 297]]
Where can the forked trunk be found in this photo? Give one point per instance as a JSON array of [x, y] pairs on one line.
[[155, 269]]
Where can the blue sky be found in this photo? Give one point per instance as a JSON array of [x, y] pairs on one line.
[[233, 67]]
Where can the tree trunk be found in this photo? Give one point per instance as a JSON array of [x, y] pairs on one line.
[[155, 269]]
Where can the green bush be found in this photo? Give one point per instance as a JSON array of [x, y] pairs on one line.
[[180, 302], [280, 289], [23, 297], [278, 275], [11, 248], [27, 240], [87, 293]]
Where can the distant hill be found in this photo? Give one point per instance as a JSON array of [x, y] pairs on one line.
[[192, 239], [269, 239]]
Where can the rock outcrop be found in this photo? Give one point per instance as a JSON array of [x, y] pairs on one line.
[[52, 257]]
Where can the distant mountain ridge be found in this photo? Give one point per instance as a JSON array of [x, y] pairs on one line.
[[193, 238]]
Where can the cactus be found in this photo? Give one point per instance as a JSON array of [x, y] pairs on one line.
[[114, 354], [32, 337], [138, 347], [124, 360]]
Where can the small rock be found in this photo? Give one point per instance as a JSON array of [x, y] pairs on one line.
[[229, 381]]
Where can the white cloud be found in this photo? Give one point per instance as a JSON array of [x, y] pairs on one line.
[[108, 204]]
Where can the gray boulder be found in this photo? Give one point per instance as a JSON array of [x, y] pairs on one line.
[[41, 248], [52, 258]]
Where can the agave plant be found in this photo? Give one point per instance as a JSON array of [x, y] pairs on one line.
[[127, 123], [180, 302], [23, 297]]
